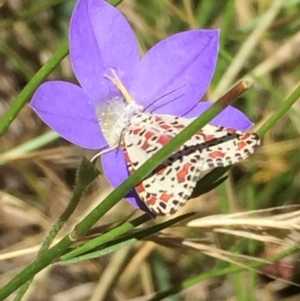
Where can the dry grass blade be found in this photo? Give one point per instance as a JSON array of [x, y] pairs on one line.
[[223, 255], [227, 256], [247, 48], [288, 51], [264, 237], [110, 275], [282, 221]]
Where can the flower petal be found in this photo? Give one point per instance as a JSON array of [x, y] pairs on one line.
[[230, 117], [176, 72], [65, 108], [100, 40], [116, 171]]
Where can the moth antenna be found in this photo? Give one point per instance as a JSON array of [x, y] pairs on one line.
[[230, 96], [155, 101], [104, 151]]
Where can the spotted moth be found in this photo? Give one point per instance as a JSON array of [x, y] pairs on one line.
[[169, 186]]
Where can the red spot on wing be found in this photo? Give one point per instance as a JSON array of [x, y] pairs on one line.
[[208, 138], [136, 131], [205, 137], [151, 201], [165, 197], [164, 126], [241, 145], [230, 130], [216, 154], [181, 175], [145, 146], [163, 139], [148, 135], [140, 188]]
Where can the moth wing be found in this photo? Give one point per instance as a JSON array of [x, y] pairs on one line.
[[221, 146], [169, 186]]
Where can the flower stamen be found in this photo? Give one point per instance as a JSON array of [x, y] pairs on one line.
[[117, 82]]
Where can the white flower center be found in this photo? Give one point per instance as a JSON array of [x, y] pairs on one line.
[[113, 117], [115, 113]]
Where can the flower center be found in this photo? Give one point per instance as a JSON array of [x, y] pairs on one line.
[[115, 113]]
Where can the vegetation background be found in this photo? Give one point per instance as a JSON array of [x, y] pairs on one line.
[[260, 40]]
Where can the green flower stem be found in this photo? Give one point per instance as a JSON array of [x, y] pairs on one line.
[[287, 104], [36, 266], [115, 2], [29, 89], [86, 175], [217, 272], [114, 197], [108, 236], [113, 246]]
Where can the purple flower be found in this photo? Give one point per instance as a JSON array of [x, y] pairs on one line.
[[170, 79]]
